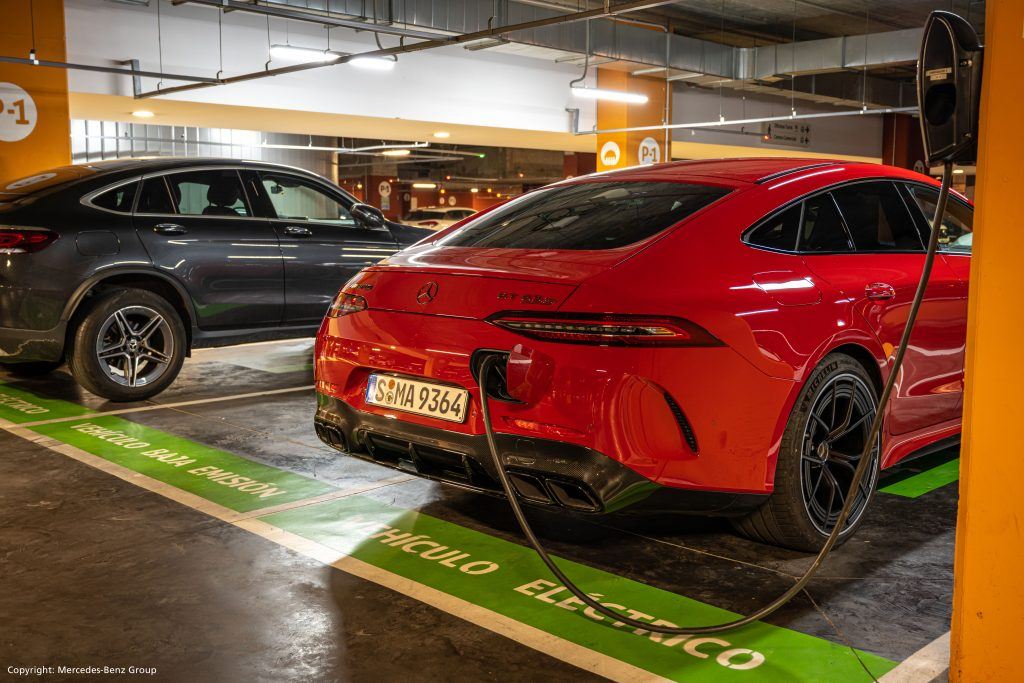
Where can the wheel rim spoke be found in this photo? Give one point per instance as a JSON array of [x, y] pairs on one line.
[[122, 324], [848, 415], [112, 352], [155, 356], [150, 327], [850, 428]]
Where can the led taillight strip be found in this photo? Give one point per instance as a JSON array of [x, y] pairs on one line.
[[605, 329]]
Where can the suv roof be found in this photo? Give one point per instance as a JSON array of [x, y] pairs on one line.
[[100, 173]]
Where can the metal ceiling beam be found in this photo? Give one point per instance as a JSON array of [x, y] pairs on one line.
[[490, 32], [311, 16]]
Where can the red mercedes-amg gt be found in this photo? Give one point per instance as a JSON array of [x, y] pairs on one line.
[[709, 337]]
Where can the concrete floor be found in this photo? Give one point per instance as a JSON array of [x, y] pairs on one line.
[[101, 567]]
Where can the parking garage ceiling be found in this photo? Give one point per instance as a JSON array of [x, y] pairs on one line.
[[797, 49]]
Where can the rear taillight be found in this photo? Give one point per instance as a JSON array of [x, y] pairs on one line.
[[24, 240], [345, 304], [606, 329]]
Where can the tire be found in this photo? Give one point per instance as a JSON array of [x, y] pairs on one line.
[[32, 369], [797, 513], [129, 345]]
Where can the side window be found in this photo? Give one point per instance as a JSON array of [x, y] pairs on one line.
[[877, 217], [779, 231], [822, 229], [154, 197], [208, 193], [957, 229], [119, 199], [298, 199]]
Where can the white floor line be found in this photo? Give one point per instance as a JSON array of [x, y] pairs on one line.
[[553, 646], [333, 495], [922, 666], [161, 406]]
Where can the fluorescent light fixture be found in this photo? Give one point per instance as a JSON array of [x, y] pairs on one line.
[[474, 190], [958, 170], [396, 152], [442, 134], [373, 63], [609, 95], [424, 186], [292, 53], [143, 113]]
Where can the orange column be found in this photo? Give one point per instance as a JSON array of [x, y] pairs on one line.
[[35, 123], [988, 590], [619, 150]]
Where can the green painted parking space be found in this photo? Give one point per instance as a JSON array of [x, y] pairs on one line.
[[20, 406], [918, 484], [473, 566], [218, 476], [509, 579]]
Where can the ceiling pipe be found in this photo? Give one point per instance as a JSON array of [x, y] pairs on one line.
[[743, 122], [110, 70], [459, 39]]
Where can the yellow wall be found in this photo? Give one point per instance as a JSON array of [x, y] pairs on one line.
[[988, 593], [35, 131]]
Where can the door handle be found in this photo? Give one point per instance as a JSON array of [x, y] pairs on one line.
[[298, 231], [169, 229], [880, 291]]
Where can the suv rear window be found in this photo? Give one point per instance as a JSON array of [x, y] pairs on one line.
[[586, 216]]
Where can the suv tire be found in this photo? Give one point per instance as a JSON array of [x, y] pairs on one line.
[[129, 345]]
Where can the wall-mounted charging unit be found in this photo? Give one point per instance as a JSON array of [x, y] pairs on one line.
[[949, 90]]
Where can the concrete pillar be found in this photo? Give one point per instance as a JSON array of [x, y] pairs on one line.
[[35, 123]]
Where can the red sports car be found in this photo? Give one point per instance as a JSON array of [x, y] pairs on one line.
[[708, 337]]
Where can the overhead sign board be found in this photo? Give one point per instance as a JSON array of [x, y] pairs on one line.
[[792, 133]]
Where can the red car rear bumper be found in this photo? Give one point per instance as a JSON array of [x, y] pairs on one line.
[[624, 423]]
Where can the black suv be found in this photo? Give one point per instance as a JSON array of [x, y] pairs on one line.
[[122, 267]]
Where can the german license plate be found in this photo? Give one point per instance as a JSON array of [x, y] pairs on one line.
[[421, 398]]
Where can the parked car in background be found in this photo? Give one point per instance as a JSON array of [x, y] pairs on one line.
[[120, 268], [437, 217], [708, 337]]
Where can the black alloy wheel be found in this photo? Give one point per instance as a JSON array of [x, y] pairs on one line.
[[824, 440], [834, 438]]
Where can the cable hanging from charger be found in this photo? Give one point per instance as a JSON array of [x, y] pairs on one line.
[[871, 443]]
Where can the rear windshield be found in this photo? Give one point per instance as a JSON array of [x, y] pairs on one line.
[[585, 216]]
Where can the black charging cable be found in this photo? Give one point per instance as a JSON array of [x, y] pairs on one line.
[[873, 442]]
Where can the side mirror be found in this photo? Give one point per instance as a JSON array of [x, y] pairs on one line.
[[370, 216], [949, 88]]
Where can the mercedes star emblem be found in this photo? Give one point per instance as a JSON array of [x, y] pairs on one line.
[[427, 293]]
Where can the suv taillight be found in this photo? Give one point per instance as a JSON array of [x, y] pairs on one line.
[[606, 329], [24, 240], [345, 304]]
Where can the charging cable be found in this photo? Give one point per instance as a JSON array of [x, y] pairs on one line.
[[872, 442]]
